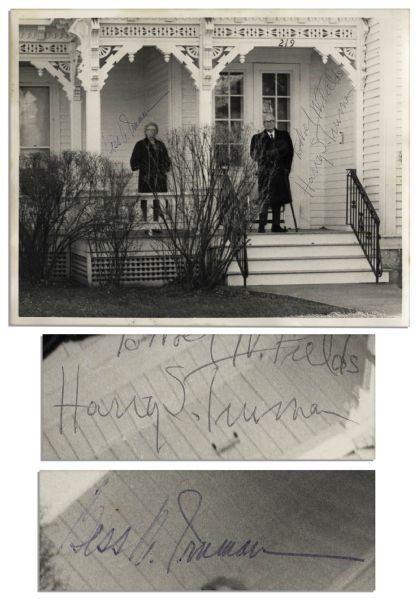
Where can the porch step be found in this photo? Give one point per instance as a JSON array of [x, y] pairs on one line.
[[303, 238], [301, 251], [306, 277], [303, 244], [303, 264], [305, 257]]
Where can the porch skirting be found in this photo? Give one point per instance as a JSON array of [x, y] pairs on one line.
[[148, 265]]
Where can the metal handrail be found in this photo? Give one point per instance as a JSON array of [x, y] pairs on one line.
[[242, 259], [241, 253], [364, 220]]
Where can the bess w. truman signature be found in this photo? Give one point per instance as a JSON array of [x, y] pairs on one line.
[[90, 535]]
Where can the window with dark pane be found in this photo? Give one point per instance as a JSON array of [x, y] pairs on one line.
[[276, 98], [229, 115], [34, 119]]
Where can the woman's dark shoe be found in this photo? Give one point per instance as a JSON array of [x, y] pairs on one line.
[[261, 229]]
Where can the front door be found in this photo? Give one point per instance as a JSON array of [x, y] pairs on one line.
[[277, 92]]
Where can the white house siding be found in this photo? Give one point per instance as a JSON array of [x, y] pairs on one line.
[[383, 121], [331, 146], [64, 121], [340, 148], [156, 89], [189, 100], [315, 174], [372, 114], [399, 122]]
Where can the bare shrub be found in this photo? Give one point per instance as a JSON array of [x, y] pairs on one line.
[[209, 213], [114, 221], [55, 192]]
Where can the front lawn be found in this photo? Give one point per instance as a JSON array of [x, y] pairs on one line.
[[68, 300]]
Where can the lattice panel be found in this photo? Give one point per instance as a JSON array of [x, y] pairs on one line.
[[138, 269], [61, 269]]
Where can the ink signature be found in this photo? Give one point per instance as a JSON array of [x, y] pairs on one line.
[[321, 136], [128, 127], [188, 545], [217, 411]]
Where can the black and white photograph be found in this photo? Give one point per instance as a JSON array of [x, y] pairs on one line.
[[208, 397], [207, 336], [213, 167], [206, 531]]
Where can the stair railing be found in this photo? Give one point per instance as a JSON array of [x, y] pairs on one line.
[[242, 259], [241, 253], [365, 222]]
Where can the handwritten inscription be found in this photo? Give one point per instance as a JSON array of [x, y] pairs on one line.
[[127, 127], [277, 350], [90, 535], [312, 125], [315, 130]]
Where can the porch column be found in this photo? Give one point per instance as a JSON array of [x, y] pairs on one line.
[[93, 121], [75, 118], [205, 106], [206, 83], [88, 32]]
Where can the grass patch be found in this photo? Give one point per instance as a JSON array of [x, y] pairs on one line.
[[67, 300]]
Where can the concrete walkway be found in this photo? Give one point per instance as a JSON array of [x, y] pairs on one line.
[[382, 299]]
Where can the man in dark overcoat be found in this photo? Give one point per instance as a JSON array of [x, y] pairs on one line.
[[272, 149]]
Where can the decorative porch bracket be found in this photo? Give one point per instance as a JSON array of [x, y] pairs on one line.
[[59, 70], [343, 57], [186, 55]]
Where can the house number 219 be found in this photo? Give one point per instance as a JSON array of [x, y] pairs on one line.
[[286, 43]]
